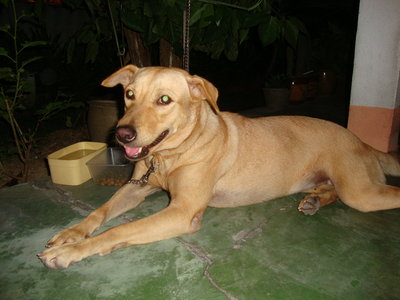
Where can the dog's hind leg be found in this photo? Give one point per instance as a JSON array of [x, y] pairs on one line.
[[371, 197], [322, 195], [360, 183]]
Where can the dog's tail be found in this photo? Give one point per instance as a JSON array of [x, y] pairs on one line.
[[389, 162]]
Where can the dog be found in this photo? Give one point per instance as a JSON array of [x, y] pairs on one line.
[[183, 143]]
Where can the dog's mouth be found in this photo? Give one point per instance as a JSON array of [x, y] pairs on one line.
[[140, 152]]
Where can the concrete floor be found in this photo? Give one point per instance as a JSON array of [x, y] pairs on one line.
[[264, 251]]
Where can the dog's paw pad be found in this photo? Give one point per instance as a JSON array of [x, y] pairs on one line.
[[309, 205]]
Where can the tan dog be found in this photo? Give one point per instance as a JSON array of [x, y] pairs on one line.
[[205, 157]]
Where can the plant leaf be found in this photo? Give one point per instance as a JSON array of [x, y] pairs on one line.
[[170, 2], [34, 44], [54, 107], [299, 24], [136, 24], [6, 73], [4, 2], [255, 19], [31, 60], [231, 49], [31, 44], [269, 31], [291, 33], [243, 35], [195, 16], [86, 35], [5, 28], [3, 52], [92, 50], [147, 9]]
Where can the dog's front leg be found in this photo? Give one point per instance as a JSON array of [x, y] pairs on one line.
[[126, 198], [176, 219]]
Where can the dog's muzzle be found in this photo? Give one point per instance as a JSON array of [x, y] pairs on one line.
[[127, 134]]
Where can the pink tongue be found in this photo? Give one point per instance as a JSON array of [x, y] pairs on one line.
[[132, 151]]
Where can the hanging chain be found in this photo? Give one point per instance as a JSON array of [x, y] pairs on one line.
[[186, 23], [121, 51]]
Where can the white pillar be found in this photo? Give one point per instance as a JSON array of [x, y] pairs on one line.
[[374, 113]]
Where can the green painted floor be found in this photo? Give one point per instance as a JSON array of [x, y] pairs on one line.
[[264, 251]]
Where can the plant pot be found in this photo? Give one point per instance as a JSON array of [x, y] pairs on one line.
[[276, 99], [102, 119], [298, 91], [327, 82]]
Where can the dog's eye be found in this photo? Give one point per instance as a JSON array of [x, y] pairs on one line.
[[130, 94], [164, 100]]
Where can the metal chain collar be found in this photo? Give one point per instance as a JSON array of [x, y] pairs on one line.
[[145, 178]]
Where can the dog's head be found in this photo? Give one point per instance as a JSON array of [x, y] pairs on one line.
[[159, 104]]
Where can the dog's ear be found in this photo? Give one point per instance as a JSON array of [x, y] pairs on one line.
[[123, 76], [202, 89]]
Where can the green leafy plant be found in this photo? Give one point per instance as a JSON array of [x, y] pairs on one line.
[[95, 31], [216, 27], [86, 55], [16, 85], [274, 23]]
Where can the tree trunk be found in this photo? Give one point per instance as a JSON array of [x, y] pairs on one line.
[[167, 56], [138, 54]]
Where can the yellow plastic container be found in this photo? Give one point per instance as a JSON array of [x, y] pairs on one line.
[[68, 165]]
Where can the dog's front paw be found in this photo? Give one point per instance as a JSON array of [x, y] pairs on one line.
[[70, 235], [61, 257], [309, 205]]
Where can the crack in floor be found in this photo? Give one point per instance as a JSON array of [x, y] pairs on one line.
[[84, 209], [63, 196], [205, 257], [240, 238]]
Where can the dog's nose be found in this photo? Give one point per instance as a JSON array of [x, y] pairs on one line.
[[125, 134]]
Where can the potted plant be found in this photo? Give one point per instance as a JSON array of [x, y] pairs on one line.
[[279, 33], [276, 92]]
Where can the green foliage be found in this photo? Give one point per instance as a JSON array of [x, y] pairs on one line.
[[216, 27], [93, 33], [16, 84], [61, 103]]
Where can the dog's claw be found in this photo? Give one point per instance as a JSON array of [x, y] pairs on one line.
[[309, 205]]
